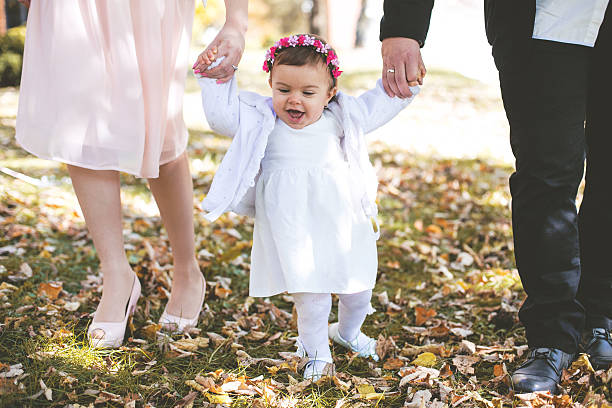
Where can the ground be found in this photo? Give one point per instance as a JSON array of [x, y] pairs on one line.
[[446, 296]]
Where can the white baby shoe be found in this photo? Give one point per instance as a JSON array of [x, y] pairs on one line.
[[362, 344], [313, 369]]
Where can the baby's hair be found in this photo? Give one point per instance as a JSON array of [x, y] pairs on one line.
[[300, 56]]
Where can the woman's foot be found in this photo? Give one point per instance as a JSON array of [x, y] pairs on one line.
[[186, 300], [109, 333], [116, 290]]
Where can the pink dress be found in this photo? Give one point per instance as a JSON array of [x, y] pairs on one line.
[[103, 82]]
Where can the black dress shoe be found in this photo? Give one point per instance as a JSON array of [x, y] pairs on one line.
[[541, 371], [599, 347]]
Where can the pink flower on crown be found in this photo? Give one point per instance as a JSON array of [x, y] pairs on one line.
[[304, 41], [331, 57]]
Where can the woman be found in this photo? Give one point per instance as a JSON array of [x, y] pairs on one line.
[[101, 90]]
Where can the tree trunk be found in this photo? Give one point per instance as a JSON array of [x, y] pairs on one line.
[[362, 25], [317, 20], [2, 18]]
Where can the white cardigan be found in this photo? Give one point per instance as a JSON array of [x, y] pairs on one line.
[[249, 118]]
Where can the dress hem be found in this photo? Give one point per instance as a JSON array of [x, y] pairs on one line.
[[100, 168], [335, 292]]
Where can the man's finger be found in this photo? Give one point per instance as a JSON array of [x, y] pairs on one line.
[[385, 83], [400, 80], [389, 73]]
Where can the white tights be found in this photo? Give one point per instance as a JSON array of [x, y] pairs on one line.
[[313, 314]]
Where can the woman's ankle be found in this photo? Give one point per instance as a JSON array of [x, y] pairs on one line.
[[189, 271]]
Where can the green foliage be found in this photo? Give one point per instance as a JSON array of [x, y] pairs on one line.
[[11, 52], [10, 69]]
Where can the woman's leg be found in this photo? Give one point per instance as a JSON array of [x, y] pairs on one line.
[[100, 200], [173, 192]]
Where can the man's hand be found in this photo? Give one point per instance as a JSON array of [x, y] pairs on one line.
[[25, 2], [402, 66]]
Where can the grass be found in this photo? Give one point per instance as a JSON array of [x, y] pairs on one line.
[[445, 247]]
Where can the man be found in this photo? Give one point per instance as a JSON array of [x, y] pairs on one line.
[[555, 73]]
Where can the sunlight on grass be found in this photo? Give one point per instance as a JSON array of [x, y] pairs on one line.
[[75, 352]]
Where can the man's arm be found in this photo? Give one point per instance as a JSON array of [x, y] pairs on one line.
[[403, 30], [407, 19]]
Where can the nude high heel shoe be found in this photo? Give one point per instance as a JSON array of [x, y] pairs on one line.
[[114, 331], [180, 324]]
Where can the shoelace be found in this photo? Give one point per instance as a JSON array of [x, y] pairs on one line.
[[600, 334], [541, 354]]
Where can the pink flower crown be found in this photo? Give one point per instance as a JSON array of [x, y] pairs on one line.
[[304, 40]]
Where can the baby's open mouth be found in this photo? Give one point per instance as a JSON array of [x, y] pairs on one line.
[[295, 114]]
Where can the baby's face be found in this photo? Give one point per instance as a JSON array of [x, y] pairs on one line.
[[300, 93]]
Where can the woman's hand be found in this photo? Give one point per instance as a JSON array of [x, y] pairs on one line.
[[229, 43], [25, 2]]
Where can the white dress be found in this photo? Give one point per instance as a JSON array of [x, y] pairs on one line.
[[309, 236]]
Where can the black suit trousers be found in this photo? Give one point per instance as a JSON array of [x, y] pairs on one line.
[[557, 100]]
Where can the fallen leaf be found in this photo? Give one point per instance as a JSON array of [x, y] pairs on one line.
[[583, 364], [425, 359], [50, 289], [72, 306], [446, 371], [423, 315], [221, 292], [191, 344], [218, 398], [393, 364], [464, 364], [151, 330], [437, 349], [13, 371], [344, 386]]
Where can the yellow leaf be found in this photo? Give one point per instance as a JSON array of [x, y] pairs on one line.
[[367, 392], [218, 398], [365, 388], [150, 331], [7, 286], [273, 370], [425, 360], [196, 386], [582, 363]]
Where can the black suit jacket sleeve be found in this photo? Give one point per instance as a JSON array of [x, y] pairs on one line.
[[406, 18]]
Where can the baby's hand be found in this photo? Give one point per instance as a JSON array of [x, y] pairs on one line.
[[420, 75], [205, 59]]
